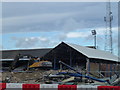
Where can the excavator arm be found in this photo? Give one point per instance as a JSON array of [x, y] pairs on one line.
[[16, 59], [13, 64]]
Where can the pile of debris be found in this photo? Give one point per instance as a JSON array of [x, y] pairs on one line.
[[26, 77], [55, 77], [41, 76], [76, 77]]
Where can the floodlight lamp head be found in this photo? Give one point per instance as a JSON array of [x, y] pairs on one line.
[[93, 32]]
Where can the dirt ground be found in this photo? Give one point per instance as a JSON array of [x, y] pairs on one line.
[[26, 77], [30, 77]]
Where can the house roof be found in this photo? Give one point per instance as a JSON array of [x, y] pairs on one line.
[[93, 53]]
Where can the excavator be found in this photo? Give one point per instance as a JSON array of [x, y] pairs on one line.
[[33, 62]]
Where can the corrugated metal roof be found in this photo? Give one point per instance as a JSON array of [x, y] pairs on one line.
[[94, 53], [13, 59], [10, 54]]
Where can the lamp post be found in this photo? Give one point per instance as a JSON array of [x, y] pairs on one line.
[[94, 34]]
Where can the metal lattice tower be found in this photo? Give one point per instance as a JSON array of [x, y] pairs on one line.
[[108, 33]]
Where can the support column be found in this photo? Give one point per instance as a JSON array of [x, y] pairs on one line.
[[99, 69], [106, 71], [54, 60], [111, 70], [54, 63], [114, 69], [87, 66], [118, 69], [61, 67], [70, 58]]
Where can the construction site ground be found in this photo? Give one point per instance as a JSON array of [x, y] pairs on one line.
[[31, 77], [26, 77], [36, 76]]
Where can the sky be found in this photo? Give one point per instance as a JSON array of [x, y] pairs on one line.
[[46, 24]]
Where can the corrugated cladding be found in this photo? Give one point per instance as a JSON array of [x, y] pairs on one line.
[[10, 54], [94, 53]]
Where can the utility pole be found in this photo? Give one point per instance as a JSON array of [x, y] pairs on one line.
[[108, 33]]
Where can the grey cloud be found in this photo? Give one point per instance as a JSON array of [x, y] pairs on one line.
[[32, 42], [29, 42], [26, 8], [62, 36], [43, 22], [39, 17]]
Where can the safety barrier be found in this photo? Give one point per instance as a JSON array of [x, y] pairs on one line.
[[22, 86], [31, 86], [2, 86], [67, 87], [108, 87]]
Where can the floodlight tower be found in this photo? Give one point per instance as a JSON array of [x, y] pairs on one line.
[[94, 34], [108, 33]]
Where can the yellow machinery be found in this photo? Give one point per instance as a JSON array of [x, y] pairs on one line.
[[33, 62], [41, 64]]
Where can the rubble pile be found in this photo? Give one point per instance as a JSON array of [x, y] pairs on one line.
[[26, 77]]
